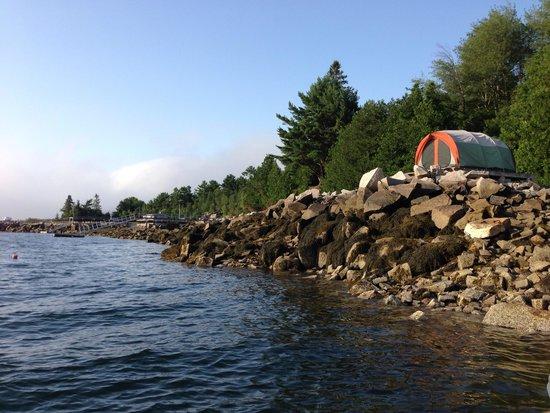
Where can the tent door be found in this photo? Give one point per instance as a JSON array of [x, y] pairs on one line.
[[428, 155], [436, 152]]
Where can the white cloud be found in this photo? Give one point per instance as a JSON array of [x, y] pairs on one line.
[[36, 184]]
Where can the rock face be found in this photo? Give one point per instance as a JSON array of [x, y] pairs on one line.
[[518, 316]]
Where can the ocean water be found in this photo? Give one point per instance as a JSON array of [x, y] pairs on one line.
[[104, 325]]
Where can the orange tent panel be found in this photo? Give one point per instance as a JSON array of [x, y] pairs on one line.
[[436, 137]]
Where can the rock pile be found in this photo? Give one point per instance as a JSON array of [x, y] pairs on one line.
[[152, 234], [17, 226], [456, 242]]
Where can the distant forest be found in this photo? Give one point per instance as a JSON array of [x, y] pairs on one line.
[[497, 81]]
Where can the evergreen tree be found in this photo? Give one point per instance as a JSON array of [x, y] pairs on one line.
[[96, 204], [68, 207], [311, 129], [356, 147]]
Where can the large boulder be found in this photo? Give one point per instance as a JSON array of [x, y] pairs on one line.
[[453, 179], [314, 235], [429, 204], [401, 273], [529, 205], [270, 251], [487, 228], [355, 201], [518, 316], [381, 201], [407, 191], [308, 196], [313, 211], [485, 187], [371, 178], [293, 210], [445, 215], [285, 264]]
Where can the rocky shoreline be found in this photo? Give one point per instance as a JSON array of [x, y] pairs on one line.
[[455, 242], [458, 243]]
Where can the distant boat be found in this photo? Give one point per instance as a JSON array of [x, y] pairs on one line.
[[68, 235]]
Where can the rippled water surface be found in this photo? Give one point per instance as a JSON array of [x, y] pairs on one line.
[[96, 324]]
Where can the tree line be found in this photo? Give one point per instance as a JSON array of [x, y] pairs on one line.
[[496, 80], [90, 209]]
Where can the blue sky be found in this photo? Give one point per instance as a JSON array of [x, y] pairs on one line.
[[135, 97]]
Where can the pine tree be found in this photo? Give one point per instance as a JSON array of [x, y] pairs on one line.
[[96, 204], [312, 129], [68, 207], [354, 152]]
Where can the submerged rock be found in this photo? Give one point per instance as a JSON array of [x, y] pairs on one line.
[[417, 315]]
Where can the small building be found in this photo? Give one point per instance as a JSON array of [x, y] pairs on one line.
[[463, 149]]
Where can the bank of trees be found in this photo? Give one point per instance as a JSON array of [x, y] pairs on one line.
[[90, 209], [497, 81]]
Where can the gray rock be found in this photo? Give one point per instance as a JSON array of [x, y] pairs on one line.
[[405, 190], [417, 315], [445, 215], [379, 280], [392, 300], [518, 316], [401, 273], [541, 253], [486, 228], [440, 286], [470, 294], [420, 171], [452, 179], [485, 187], [406, 297], [381, 200], [368, 295], [522, 283], [371, 178], [313, 211], [466, 260], [430, 204]]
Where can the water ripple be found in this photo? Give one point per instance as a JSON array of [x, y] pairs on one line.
[[95, 325]]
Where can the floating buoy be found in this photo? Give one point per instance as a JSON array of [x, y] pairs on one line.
[[14, 256]]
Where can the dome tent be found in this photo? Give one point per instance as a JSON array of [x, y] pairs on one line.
[[459, 148]]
